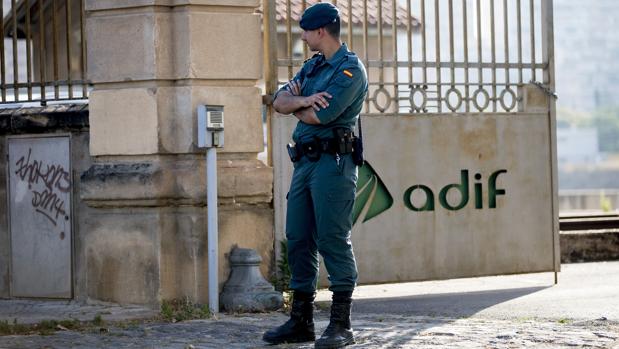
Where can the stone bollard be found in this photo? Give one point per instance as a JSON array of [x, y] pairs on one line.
[[246, 290]]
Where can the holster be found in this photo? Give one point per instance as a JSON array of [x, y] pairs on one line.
[[293, 153], [343, 140], [357, 151]]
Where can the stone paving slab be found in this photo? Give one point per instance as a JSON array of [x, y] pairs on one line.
[[35, 311], [372, 331]]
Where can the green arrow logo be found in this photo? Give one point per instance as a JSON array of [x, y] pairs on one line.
[[372, 196]]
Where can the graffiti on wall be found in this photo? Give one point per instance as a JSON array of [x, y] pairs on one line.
[[48, 199]]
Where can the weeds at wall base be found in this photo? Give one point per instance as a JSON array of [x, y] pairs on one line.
[[176, 310], [48, 327]]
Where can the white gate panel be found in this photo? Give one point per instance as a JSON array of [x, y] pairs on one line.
[[452, 195]]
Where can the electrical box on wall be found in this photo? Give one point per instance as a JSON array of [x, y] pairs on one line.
[[210, 126]]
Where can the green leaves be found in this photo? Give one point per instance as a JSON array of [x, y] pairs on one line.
[[373, 197]]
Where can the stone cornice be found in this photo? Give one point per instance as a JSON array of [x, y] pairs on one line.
[[106, 5], [176, 183], [46, 119]]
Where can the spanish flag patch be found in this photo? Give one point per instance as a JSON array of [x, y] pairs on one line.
[[347, 73]]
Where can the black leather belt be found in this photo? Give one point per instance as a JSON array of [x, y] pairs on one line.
[[341, 144]]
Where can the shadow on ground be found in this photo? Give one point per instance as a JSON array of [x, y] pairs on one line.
[[393, 322], [456, 305]]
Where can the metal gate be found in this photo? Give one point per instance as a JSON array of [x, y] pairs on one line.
[[449, 102], [40, 216], [436, 56]]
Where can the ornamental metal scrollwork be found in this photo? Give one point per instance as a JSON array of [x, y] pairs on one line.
[[502, 96], [481, 91], [453, 89], [375, 95], [424, 98]]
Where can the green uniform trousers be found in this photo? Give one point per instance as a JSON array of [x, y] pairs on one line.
[[319, 219]]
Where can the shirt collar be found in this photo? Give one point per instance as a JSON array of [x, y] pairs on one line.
[[338, 55]]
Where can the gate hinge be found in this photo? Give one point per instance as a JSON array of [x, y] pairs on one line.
[[545, 88]]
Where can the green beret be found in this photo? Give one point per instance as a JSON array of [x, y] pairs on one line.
[[319, 15]]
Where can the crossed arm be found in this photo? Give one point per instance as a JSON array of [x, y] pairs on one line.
[[290, 101]]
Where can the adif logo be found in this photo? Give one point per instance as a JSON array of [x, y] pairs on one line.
[[462, 188], [372, 196]]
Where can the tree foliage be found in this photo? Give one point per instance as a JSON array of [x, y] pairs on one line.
[[606, 121]]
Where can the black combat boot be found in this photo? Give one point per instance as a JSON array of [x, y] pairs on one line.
[[300, 327], [339, 332]]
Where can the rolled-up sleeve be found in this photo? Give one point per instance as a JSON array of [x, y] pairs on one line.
[[345, 87]]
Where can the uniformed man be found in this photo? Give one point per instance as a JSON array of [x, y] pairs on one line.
[[326, 95]]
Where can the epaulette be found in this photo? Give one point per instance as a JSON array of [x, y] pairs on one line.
[[352, 57]]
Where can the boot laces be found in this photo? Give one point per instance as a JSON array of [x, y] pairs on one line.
[[340, 318]]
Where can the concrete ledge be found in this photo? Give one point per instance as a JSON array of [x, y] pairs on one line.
[[176, 182], [589, 246]]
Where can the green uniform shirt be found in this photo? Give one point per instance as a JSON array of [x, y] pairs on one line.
[[343, 77]]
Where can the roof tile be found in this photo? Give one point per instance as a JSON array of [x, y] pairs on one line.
[[297, 7]]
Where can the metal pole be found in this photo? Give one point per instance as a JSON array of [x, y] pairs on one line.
[[548, 56], [493, 55], [2, 59], [366, 47], [213, 231], [350, 25], [68, 38], [437, 48], [15, 55], [532, 35], [55, 50], [42, 76], [28, 51], [270, 67], [394, 47], [83, 48], [465, 39], [288, 37]]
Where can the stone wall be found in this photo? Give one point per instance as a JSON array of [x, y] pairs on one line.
[[145, 225], [590, 246]]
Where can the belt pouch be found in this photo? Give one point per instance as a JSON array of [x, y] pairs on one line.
[[293, 153]]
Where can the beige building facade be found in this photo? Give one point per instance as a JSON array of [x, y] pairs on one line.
[[139, 181], [138, 217], [147, 84]]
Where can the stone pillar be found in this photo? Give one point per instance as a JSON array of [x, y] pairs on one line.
[[152, 62]]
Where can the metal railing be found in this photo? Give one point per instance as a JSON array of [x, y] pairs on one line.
[[602, 221], [437, 56], [43, 51]]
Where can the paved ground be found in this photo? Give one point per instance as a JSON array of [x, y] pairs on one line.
[[491, 312], [32, 312]]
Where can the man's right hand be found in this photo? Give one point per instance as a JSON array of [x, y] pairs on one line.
[[317, 100]]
